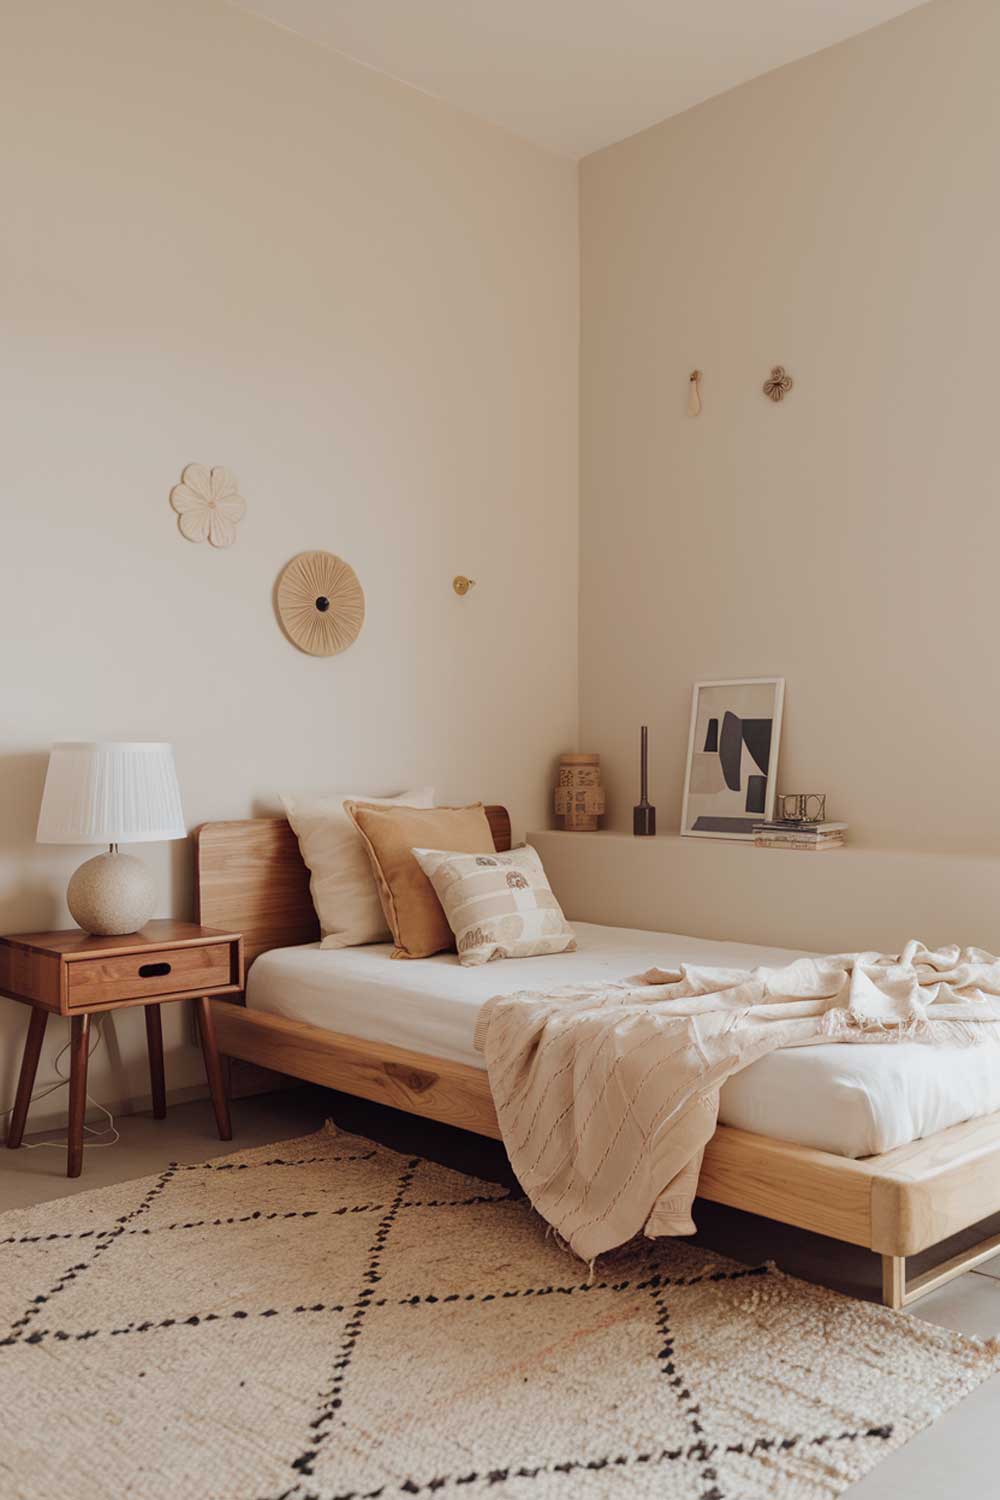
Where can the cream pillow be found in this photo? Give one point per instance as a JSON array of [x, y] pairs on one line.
[[497, 905], [341, 882]]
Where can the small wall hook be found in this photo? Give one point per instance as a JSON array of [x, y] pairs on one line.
[[461, 584], [694, 399]]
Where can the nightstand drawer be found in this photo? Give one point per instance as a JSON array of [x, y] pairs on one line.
[[94, 981]]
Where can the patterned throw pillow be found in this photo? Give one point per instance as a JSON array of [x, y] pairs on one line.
[[497, 905]]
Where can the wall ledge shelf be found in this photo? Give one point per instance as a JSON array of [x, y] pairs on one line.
[[858, 897], [684, 841]]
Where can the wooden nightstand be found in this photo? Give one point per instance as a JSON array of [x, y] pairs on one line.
[[73, 974]]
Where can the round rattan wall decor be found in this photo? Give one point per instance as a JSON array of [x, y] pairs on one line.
[[320, 603]]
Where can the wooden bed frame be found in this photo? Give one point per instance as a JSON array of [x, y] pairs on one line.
[[251, 879]]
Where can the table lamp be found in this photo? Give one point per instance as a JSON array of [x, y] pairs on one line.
[[111, 792]]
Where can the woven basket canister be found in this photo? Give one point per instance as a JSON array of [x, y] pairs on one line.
[[579, 795]]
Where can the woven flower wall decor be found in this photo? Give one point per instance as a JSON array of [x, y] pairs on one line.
[[207, 504]]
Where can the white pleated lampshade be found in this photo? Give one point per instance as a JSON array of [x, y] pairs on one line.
[[110, 792]]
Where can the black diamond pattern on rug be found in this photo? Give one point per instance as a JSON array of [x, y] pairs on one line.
[[329, 1320]]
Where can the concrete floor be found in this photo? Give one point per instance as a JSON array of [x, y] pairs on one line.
[[959, 1455]]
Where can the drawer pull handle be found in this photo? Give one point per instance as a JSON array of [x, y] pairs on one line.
[[153, 971]]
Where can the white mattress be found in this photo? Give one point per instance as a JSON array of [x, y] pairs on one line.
[[854, 1100]]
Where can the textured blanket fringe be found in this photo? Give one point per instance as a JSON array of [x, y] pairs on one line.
[[330, 1127], [845, 1026], [552, 1233]]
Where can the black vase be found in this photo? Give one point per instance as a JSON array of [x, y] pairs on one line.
[[644, 814]]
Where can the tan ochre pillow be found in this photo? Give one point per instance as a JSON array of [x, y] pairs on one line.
[[341, 881], [391, 834], [498, 905]]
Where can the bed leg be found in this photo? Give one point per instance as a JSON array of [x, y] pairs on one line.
[[897, 1292], [894, 1281]]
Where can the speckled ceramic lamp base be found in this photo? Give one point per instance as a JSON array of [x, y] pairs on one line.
[[111, 894]]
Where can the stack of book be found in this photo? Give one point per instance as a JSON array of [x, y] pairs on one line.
[[786, 835]]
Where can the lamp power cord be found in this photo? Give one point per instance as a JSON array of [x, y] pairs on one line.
[[110, 1129]]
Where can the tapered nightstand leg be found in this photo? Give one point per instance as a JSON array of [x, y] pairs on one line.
[[154, 1045], [26, 1081], [78, 1052], [213, 1068]]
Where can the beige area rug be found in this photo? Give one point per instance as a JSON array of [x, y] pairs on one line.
[[326, 1318]]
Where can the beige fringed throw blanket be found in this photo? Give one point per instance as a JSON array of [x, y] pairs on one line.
[[607, 1095]]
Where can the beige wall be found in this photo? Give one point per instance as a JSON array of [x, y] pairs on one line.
[[224, 244], [840, 216]]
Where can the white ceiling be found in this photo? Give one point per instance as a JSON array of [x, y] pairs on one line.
[[575, 75]]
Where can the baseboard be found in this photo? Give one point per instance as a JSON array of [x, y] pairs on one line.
[[245, 1080]]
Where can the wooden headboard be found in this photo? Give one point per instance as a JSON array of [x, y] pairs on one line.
[[250, 878]]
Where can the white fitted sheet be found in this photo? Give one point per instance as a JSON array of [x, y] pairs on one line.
[[853, 1100]]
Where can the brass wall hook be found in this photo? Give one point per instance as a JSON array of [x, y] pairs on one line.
[[461, 584]]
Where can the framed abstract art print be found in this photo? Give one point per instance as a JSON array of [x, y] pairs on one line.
[[732, 760]]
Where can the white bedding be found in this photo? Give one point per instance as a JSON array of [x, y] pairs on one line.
[[853, 1101]]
